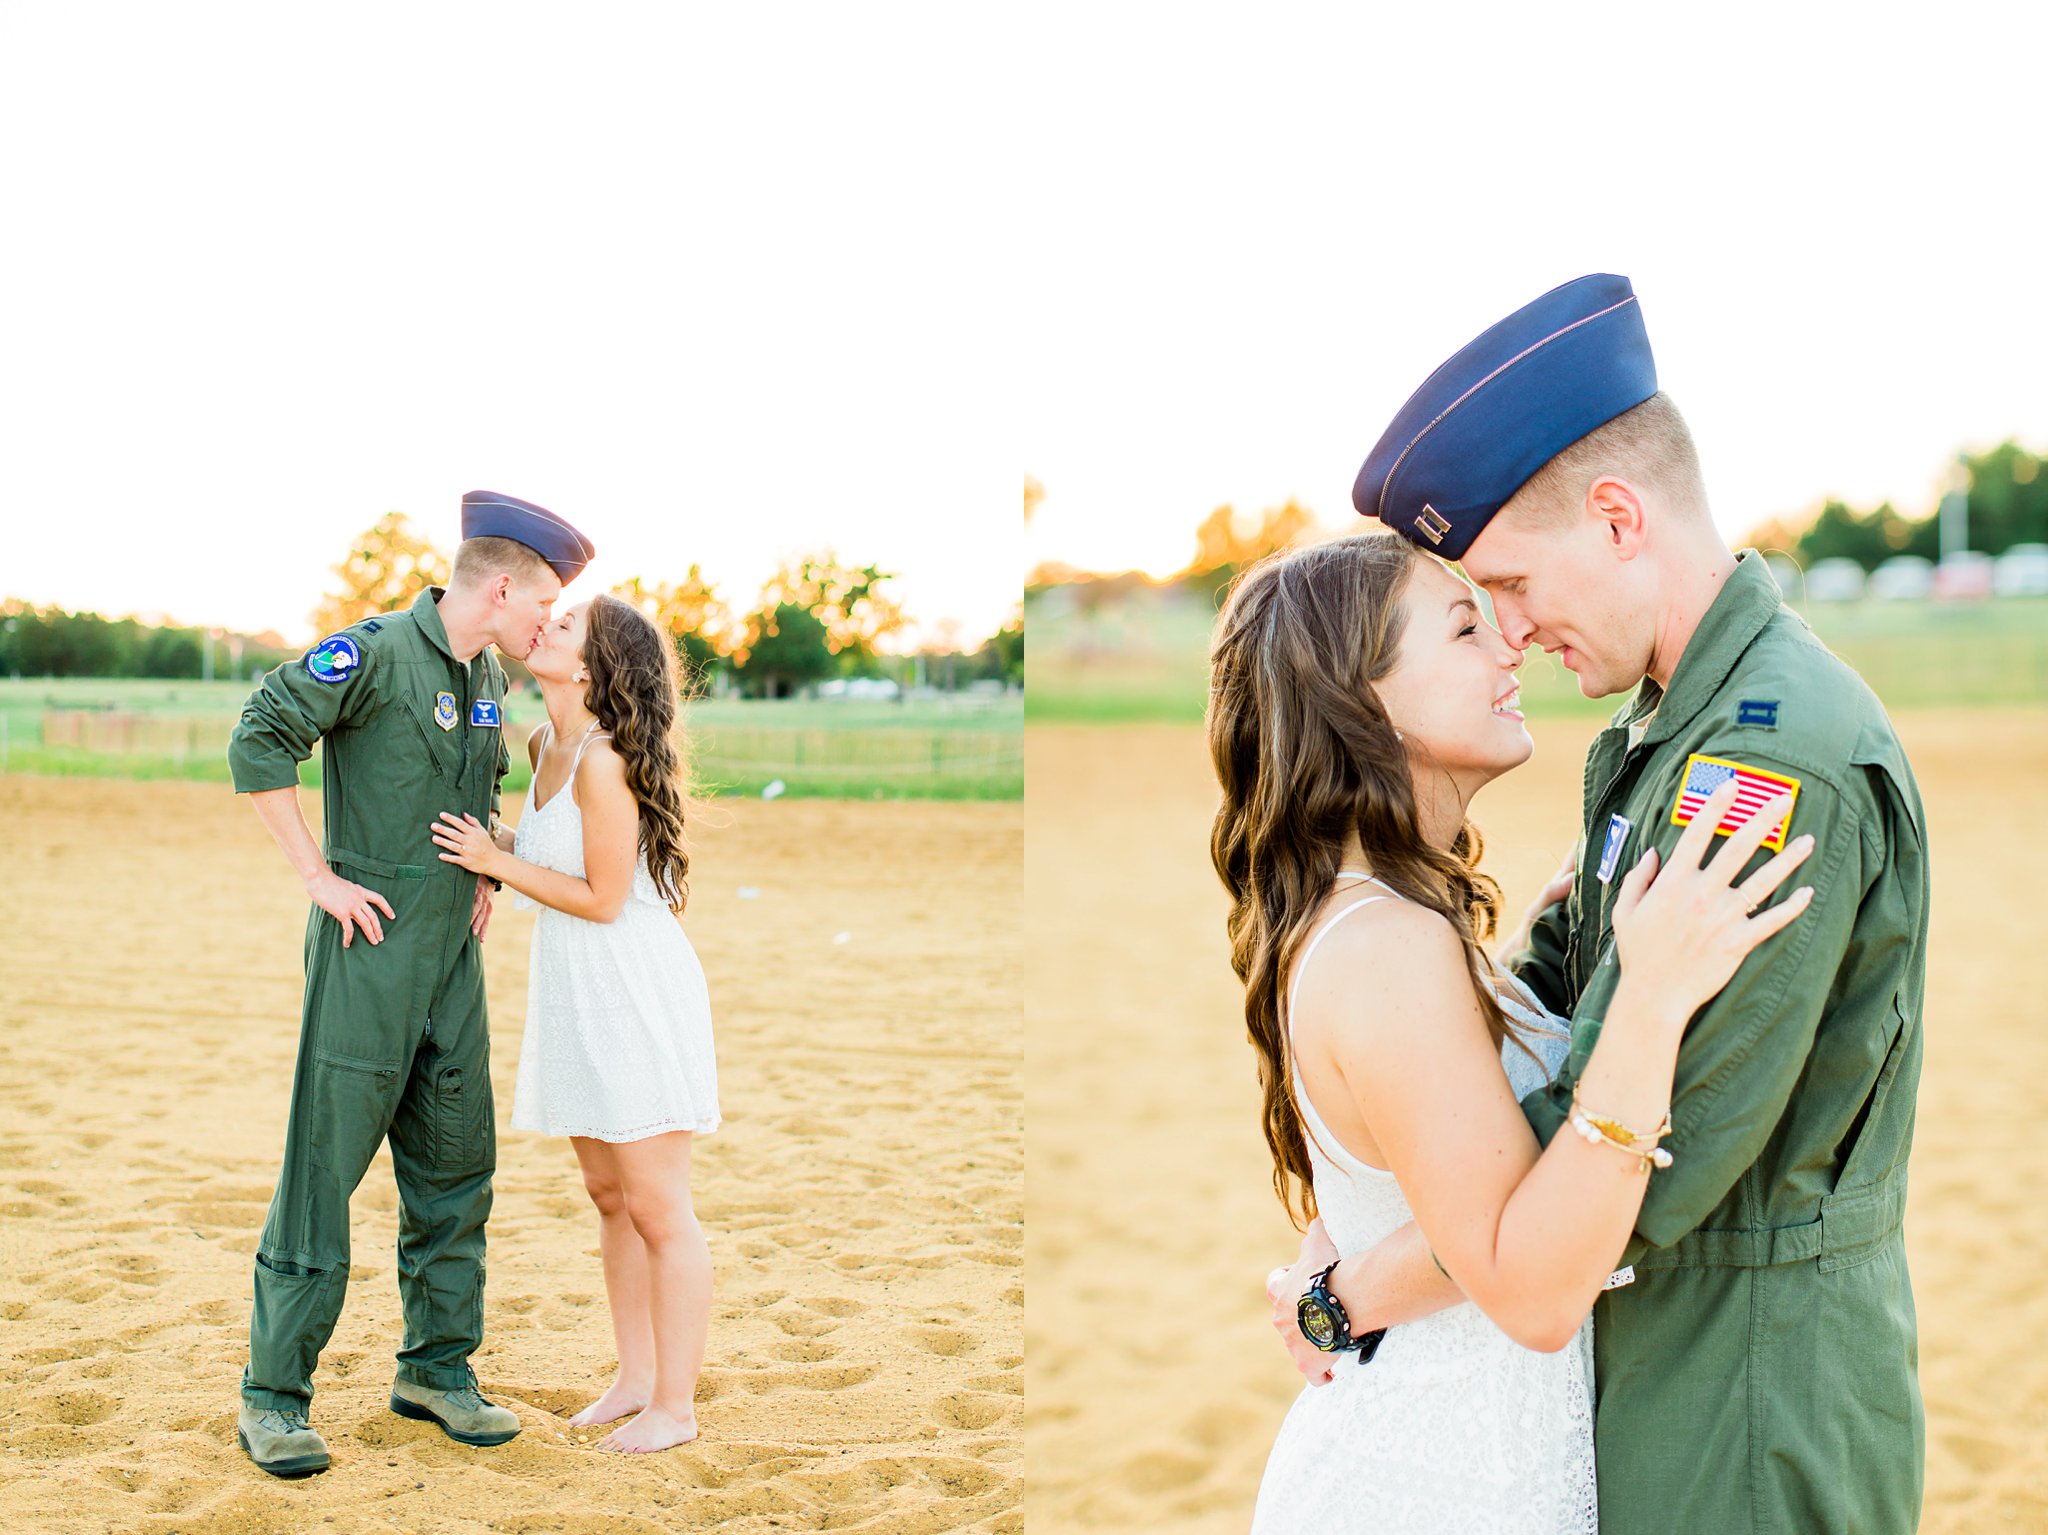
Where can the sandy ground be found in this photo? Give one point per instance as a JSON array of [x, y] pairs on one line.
[[864, 1198], [1155, 1384]]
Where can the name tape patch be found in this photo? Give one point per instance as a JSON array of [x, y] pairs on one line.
[[1610, 852], [485, 712], [1703, 775]]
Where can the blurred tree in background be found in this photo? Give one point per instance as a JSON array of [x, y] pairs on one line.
[[49, 642], [388, 567], [1223, 546], [691, 614], [817, 617], [847, 599], [2007, 495], [785, 647], [1002, 654]]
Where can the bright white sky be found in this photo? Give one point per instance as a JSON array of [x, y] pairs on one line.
[[1254, 232], [724, 284], [713, 282]]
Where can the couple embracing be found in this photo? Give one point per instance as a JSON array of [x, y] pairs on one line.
[[394, 1042], [1634, 1179]]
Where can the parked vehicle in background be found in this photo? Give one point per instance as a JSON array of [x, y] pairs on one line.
[[1834, 580], [1902, 578], [1963, 576], [2022, 571]]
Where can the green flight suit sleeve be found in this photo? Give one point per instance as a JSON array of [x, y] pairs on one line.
[[1745, 1051], [288, 713], [1540, 964]]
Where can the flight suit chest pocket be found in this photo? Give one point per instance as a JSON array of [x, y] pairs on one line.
[[437, 751]]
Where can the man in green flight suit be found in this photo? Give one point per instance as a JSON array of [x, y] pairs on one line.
[[394, 1041], [1756, 1357]]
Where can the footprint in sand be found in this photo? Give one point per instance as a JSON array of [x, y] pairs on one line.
[[80, 1409], [1151, 1472], [937, 1339], [969, 1410], [824, 1377], [137, 1269], [832, 1305]]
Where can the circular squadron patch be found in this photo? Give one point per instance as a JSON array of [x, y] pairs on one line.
[[334, 659]]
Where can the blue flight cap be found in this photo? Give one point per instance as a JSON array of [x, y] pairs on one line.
[[1508, 403], [486, 514]]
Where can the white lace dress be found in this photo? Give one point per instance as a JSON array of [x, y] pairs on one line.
[[618, 1021], [1452, 1428]]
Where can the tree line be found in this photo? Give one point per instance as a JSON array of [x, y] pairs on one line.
[[2005, 493], [815, 619]]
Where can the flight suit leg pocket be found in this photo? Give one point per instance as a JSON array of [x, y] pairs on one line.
[[294, 1312], [354, 1097], [461, 1117]]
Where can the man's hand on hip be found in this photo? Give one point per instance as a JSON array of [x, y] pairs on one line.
[[1285, 1287], [349, 904]]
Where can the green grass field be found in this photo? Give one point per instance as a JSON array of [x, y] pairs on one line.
[[967, 747], [1145, 658]]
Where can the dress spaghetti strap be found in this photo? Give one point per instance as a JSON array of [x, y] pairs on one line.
[[576, 761]]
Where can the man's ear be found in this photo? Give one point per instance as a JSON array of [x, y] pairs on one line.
[[501, 589], [1618, 507]]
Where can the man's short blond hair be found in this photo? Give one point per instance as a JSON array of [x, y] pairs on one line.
[[1649, 445], [478, 560]]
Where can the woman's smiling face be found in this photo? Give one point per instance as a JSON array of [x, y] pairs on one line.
[[1452, 693]]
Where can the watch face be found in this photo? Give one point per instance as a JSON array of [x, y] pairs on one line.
[[1317, 1325]]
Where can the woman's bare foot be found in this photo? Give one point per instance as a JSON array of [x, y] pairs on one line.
[[653, 1429], [621, 1401]]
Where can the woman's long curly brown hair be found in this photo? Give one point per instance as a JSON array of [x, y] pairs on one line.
[[1306, 756], [634, 694]]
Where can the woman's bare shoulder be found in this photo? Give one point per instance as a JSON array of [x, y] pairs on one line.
[[1395, 956], [601, 767]]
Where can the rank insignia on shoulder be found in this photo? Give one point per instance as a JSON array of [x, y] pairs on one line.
[[1703, 775], [485, 712], [1610, 852], [1758, 711], [334, 659], [444, 710]]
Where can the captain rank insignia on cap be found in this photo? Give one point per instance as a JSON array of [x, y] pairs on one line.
[[488, 514], [444, 710], [1505, 405], [334, 659], [1703, 775]]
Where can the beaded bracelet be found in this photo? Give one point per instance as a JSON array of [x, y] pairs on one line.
[[1597, 1130]]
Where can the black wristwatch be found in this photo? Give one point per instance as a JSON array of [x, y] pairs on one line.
[[1324, 1323]]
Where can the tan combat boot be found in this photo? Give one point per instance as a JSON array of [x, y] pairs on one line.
[[280, 1442], [462, 1413]]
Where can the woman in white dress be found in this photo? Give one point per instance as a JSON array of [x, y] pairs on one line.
[[618, 1053], [1358, 701]]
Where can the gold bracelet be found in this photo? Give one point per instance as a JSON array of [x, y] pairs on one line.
[[1601, 1131], [1614, 1130]]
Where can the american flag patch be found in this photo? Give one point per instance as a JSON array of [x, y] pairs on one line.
[[1703, 775]]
